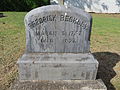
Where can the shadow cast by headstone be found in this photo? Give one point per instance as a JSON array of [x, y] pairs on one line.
[[107, 61]]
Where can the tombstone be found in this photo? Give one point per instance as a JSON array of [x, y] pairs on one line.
[[57, 45]]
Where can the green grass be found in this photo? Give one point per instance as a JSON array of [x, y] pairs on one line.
[[105, 37], [105, 33], [12, 44]]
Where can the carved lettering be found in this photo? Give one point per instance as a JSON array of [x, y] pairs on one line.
[[65, 18], [42, 20]]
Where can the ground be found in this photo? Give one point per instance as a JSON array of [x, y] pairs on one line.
[[105, 46]]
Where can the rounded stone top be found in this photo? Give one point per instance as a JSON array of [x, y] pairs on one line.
[[58, 8], [58, 29]]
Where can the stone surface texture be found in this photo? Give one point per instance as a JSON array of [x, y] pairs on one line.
[[58, 29], [60, 85], [57, 45], [54, 66], [97, 6]]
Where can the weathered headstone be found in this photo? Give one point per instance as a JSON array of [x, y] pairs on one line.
[[58, 30], [58, 45]]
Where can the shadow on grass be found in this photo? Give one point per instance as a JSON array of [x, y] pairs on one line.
[[107, 61]]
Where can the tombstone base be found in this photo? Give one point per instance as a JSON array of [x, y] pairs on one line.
[[60, 85], [57, 66]]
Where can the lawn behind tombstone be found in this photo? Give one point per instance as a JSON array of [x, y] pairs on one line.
[[105, 46], [12, 45]]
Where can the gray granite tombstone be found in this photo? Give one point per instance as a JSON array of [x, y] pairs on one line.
[[57, 45]]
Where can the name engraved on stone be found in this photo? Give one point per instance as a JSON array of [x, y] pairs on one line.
[[52, 18], [42, 20], [57, 30]]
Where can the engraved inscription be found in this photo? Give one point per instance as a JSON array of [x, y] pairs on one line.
[[57, 30], [46, 38], [74, 20], [66, 18], [42, 20]]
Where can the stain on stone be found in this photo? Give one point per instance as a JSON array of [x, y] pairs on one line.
[[31, 57], [33, 62], [36, 74], [82, 59], [94, 74], [27, 73], [43, 65], [64, 73], [65, 58], [85, 58], [78, 59], [83, 74], [29, 64], [54, 58], [58, 65], [87, 75], [46, 58], [74, 75]]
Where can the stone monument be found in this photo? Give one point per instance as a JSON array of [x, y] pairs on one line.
[[57, 45], [57, 53]]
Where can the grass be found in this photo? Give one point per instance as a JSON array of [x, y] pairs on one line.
[[105, 33], [105, 40], [105, 45], [12, 44]]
